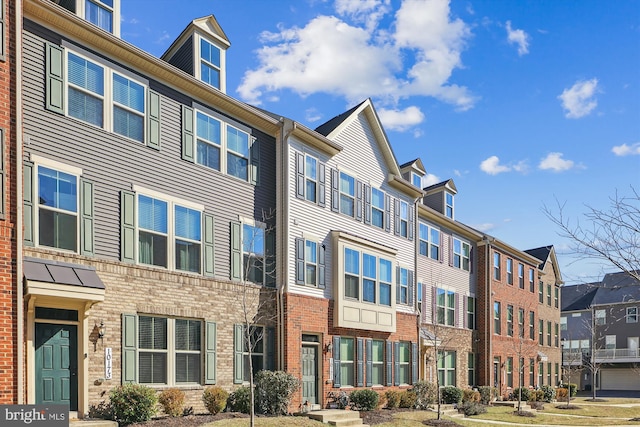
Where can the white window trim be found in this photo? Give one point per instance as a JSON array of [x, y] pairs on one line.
[[197, 58], [372, 207], [453, 201], [404, 220], [255, 224], [108, 102], [461, 254], [352, 196], [628, 315], [446, 290], [115, 10]]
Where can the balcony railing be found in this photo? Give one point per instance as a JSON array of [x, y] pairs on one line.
[[575, 356], [618, 355]]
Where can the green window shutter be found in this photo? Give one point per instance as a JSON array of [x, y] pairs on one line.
[[236, 251], [336, 362], [86, 212], [129, 348], [210, 353], [299, 261], [389, 363], [2, 172], [209, 245], [127, 226], [396, 362], [271, 349], [54, 78], [187, 134], [270, 258], [322, 276], [3, 41], [360, 365], [28, 207], [153, 120], [414, 362], [369, 366], [238, 358], [254, 171]]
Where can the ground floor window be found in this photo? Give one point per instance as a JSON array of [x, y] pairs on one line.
[[377, 362], [471, 370], [257, 346], [447, 368], [404, 361], [347, 361], [509, 369]]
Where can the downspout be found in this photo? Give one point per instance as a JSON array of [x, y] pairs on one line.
[[416, 245], [18, 200], [488, 310]]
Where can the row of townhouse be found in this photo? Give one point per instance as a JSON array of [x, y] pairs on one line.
[[152, 223]]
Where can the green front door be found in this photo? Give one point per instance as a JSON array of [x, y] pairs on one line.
[[309, 374], [56, 365]]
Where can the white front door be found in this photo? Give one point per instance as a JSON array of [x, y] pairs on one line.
[[632, 345]]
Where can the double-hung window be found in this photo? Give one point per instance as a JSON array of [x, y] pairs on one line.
[[449, 205], [377, 207], [497, 318], [510, 320], [549, 295], [416, 180], [532, 325], [311, 178], [509, 369], [601, 317], [369, 277], [521, 275], [632, 315], [403, 283], [169, 350], [188, 234], [209, 140], [86, 90], [540, 331], [128, 107], [310, 262], [237, 153], [153, 231], [404, 362], [347, 361], [548, 333], [100, 13], [429, 241], [372, 271], [541, 292], [404, 218], [57, 209], [210, 64], [471, 312], [385, 282], [471, 369], [532, 288], [445, 307], [521, 322], [496, 266], [253, 248], [446, 368], [509, 271], [377, 362], [556, 335], [347, 194], [351, 273], [556, 297], [461, 251]]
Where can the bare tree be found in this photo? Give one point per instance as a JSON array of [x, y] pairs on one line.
[[256, 301], [524, 346], [611, 235], [572, 362]]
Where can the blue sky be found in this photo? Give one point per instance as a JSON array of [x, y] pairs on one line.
[[522, 103]]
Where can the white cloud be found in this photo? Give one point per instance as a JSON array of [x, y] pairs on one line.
[[312, 115], [487, 226], [579, 99], [400, 120], [355, 57], [519, 38], [492, 166], [430, 179], [626, 150], [556, 163]]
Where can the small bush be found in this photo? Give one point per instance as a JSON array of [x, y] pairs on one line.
[[537, 405], [451, 394], [408, 399], [239, 400], [472, 408], [274, 390], [573, 388], [487, 393], [364, 400], [102, 410], [561, 394], [525, 394], [132, 403], [214, 399], [469, 395], [393, 398], [549, 393], [425, 394], [172, 401], [536, 396]]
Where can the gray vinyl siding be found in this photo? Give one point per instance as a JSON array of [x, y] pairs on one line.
[[114, 163], [435, 201], [183, 58]]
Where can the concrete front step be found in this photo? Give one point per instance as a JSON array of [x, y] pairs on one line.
[[92, 423], [337, 417]]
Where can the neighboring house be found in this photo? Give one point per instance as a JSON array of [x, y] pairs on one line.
[[600, 328], [349, 296], [136, 259]]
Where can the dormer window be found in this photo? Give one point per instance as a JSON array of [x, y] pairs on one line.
[[210, 64], [448, 198], [102, 13], [416, 179]]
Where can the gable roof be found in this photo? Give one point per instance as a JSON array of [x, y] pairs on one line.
[[415, 164], [547, 254], [614, 288], [447, 185], [207, 25]]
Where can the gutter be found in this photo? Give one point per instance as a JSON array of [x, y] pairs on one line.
[[18, 201]]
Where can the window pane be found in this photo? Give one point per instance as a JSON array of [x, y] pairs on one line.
[[85, 74], [385, 270], [310, 251], [128, 93], [57, 230], [152, 368], [238, 141], [187, 256], [385, 294], [152, 249], [128, 124], [187, 368], [187, 335], [187, 223], [85, 107], [351, 261], [369, 290], [57, 189], [210, 75], [237, 166], [208, 155], [253, 240], [152, 214], [209, 52], [99, 16], [208, 128]]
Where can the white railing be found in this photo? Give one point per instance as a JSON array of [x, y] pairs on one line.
[[618, 354]]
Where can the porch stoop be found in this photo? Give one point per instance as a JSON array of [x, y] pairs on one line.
[[337, 417]]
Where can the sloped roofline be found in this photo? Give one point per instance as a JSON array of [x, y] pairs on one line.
[[208, 25], [414, 164], [447, 184]]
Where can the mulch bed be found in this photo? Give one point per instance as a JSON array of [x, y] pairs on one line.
[[190, 420]]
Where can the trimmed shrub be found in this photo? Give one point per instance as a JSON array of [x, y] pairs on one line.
[[469, 395], [408, 399], [172, 401], [561, 394], [393, 398], [536, 396], [132, 403], [239, 400], [274, 390], [549, 393], [214, 399], [525, 394], [425, 394], [472, 408], [364, 400], [573, 388], [536, 405], [487, 393], [451, 394]]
